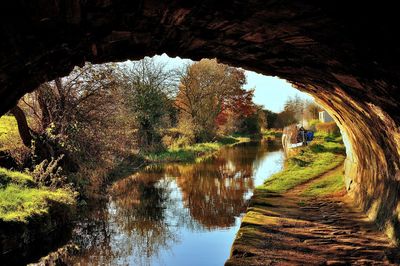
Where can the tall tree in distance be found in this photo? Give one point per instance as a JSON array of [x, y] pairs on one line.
[[295, 105], [270, 118], [205, 87], [292, 112], [148, 87], [311, 110]]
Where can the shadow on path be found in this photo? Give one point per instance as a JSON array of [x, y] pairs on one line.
[[291, 230]]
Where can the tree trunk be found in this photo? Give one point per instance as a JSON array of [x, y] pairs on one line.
[[24, 131], [43, 105], [44, 148]]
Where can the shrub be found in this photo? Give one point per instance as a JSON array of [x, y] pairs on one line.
[[329, 128], [250, 125], [181, 142], [187, 129], [177, 137], [49, 173], [167, 140], [313, 123]]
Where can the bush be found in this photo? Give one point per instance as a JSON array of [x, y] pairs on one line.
[[329, 128], [49, 173], [250, 125], [313, 123], [177, 137], [181, 142], [187, 130], [167, 140]]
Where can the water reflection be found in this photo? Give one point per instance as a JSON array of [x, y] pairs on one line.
[[176, 214]]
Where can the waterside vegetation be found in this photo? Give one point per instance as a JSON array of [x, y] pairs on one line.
[[21, 199], [324, 153], [195, 152]]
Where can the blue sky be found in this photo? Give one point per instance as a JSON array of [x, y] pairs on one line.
[[271, 92]]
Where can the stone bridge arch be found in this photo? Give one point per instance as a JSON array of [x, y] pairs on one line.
[[343, 54]]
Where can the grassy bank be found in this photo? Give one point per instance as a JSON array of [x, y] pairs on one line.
[[9, 136], [323, 154], [21, 200], [272, 134], [195, 152], [313, 171], [331, 183]]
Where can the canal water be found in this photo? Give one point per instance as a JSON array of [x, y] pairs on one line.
[[177, 214]]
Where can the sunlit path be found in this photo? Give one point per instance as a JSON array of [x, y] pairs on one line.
[[289, 229]]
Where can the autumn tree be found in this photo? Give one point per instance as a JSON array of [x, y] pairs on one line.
[[253, 123], [205, 88], [236, 109], [149, 87], [79, 114]]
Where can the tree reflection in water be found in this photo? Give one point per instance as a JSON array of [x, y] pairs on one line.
[[148, 211]]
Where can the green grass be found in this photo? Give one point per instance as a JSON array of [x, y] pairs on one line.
[[310, 162], [20, 200], [271, 133], [329, 184], [7, 176], [195, 152], [9, 136], [21, 203]]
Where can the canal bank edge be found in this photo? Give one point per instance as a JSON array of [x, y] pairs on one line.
[[198, 151], [17, 236], [324, 155]]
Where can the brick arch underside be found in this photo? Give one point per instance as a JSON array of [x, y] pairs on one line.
[[343, 54]]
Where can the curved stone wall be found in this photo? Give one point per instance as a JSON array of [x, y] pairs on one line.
[[343, 54]]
